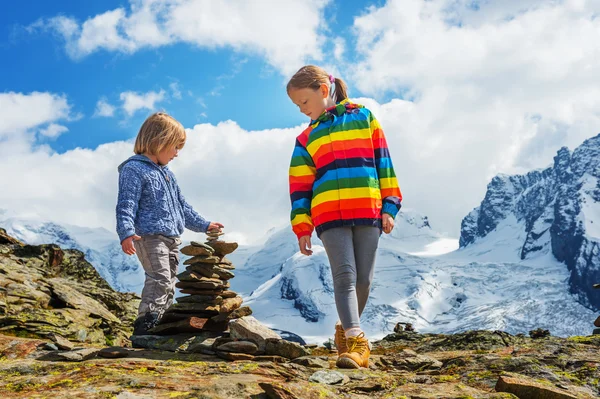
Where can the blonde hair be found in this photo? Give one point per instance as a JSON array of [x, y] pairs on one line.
[[158, 132], [312, 77]]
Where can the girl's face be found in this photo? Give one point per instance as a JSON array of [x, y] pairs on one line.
[[311, 102], [167, 155]]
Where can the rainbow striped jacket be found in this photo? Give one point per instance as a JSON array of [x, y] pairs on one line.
[[341, 173]]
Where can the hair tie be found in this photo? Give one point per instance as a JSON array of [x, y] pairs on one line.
[[331, 79]]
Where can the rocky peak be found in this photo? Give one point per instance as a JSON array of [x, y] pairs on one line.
[[556, 209]]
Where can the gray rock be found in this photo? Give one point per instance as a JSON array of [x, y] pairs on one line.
[[312, 362], [61, 342], [113, 352], [249, 329], [239, 347], [329, 377], [202, 345], [77, 355], [281, 347]]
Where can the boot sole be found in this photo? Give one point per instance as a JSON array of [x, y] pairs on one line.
[[346, 363]]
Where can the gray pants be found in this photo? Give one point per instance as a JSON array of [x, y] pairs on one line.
[[159, 256], [351, 252]]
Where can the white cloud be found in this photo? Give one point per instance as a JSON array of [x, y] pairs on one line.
[[53, 130], [495, 89], [286, 42], [133, 101], [22, 113], [103, 108]]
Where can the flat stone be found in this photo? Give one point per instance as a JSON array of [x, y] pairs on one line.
[[202, 259], [211, 271], [597, 322], [77, 355], [189, 325], [524, 387], [281, 347], [192, 276], [312, 362], [228, 294], [329, 377], [222, 247], [207, 299], [274, 391], [193, 291], [238, 347], [202, 269], [236, 314], [205, 284], [192, 307], [202, 245], [113, 352], [193, 250], [234, 356], [61, 342]]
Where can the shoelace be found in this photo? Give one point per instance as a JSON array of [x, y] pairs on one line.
[[358, 344]]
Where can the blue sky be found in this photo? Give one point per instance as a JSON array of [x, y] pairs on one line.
[[464, 91], [215, 84]]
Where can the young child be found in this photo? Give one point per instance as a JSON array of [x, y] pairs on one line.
[[152, 214], [343, 185]]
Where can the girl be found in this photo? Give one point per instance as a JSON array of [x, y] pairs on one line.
[[152, 214], [343, 185]]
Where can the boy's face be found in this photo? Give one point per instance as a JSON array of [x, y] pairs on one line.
[[311, 102], [167, 155]]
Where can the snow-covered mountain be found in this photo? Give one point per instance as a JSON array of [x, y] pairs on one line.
[[414, 283], [555, 211], [101, 248]]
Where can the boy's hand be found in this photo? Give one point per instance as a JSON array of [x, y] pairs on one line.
[[214, 226], [127, 244], [305, 245], [387, 222]]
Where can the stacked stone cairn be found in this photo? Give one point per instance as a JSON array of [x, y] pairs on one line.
[[209, 304], [210, 319]]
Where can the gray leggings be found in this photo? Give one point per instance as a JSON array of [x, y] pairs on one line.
[[351, 252]]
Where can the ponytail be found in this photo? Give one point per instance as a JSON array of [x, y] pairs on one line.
[[341, 90]]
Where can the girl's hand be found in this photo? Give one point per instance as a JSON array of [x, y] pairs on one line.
[[387, 223], [127, 244], [305, 246], [214, 226]]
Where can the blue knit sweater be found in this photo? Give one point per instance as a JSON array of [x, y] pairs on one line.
[[150, 201]]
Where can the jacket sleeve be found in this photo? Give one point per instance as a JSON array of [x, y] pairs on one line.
[[130, 191], [301, 178], [388, 183], [193, 221]]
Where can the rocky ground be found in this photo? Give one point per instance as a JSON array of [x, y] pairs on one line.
[[59, 322]]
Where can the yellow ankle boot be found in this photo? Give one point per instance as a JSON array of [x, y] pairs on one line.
[[357, 355], [340, 339]]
